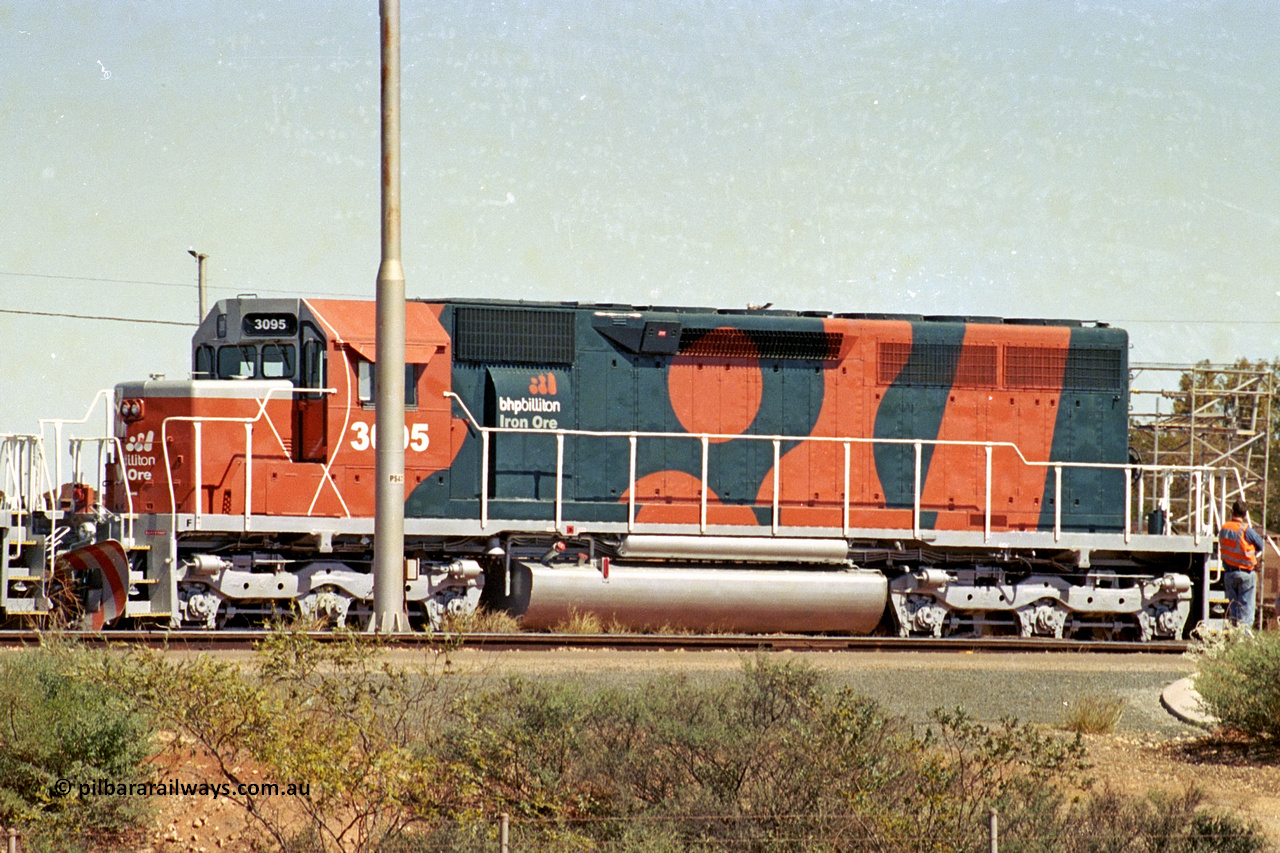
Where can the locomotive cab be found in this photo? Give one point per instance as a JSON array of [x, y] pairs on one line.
[[278, 417]]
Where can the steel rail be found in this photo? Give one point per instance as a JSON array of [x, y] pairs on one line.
[[247, 639]]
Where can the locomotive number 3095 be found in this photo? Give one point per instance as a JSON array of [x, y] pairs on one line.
[[366, 437]]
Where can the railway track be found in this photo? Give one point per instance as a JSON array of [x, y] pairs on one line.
[[246, 639]]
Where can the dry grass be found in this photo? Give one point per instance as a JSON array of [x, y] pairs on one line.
[[483, 622], [579, 622], [585, 623], [1093, 714]]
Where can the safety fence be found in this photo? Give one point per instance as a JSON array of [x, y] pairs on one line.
[[777, 833]]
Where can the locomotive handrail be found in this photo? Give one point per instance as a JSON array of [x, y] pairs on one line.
[[26, 473], [75, 444], [59, 423], [1195, 472], [465, 410], [197, 452]]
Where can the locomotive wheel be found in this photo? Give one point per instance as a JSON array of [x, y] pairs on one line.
[[328, 605]]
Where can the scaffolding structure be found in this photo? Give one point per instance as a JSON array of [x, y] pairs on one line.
[[1204, 414]]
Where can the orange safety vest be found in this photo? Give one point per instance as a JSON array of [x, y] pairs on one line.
[[1237, 551]]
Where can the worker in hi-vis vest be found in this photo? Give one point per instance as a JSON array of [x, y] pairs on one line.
[[1241, 549]]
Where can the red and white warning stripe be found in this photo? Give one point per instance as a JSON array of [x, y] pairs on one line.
[[108, 558]]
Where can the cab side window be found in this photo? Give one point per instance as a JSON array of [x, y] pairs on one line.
[[366, 375], [202, 367], [313, 360]]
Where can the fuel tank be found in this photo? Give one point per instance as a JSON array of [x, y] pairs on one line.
[[772, 598]]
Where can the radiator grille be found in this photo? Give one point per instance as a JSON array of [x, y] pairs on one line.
[[513, 335]]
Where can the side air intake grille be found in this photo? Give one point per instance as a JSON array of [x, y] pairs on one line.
[[933, 364], [1095, 370], [513, 335], [1077, 369], [1033, 367], [760, 343]]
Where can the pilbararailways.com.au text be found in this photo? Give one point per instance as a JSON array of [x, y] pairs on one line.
[[176, 788]]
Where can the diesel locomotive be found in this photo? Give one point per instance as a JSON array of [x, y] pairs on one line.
[[693, 468]]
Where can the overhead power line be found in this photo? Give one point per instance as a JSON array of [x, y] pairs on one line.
[[1114, 321], [97, 317], [106, 280], [223, 288]]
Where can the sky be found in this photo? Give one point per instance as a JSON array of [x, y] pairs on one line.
[[1112, 162]]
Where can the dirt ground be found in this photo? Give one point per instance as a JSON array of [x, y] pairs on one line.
[[1149, 750]]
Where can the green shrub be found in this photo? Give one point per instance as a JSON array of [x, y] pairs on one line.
[[61, 728], [1238, 679], [772, 760]]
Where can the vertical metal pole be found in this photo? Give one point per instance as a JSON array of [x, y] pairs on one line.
[[1266, 492], [13, 840], [995, 843], [504, 834], [388, 527], [200, 256]]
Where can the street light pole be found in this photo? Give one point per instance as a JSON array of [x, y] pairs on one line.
[[388, 523], [200, 256]]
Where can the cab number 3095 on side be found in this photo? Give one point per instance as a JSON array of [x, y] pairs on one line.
[[366, 437]]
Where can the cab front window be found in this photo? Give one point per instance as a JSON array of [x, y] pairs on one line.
[[237, 362], [278, 361]]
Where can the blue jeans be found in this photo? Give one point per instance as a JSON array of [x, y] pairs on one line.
[[1241, 590]]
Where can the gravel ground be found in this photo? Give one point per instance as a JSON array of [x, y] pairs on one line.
[[989, 685]]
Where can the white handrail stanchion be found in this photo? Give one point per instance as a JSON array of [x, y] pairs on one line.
[[702, 518], [915, 511], [1057, 503], [777, 508], [1128, 505], [559, 481], [248, 474], [198, 452], [844, 515], [631, 487], [986, 513], [1200, 505], [484, 478]]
